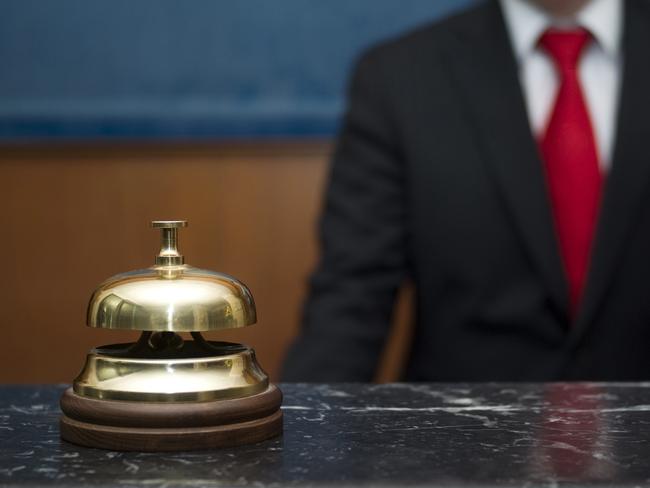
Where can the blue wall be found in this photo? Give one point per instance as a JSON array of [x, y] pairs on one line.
[[187, 68]]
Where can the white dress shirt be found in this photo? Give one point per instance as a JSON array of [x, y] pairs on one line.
[[600, 66]]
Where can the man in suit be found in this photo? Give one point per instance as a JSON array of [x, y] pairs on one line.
[[500, 160]]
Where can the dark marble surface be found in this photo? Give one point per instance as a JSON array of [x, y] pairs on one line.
[[434, 435]]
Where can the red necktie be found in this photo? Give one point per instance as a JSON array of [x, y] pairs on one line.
[[569, 151]]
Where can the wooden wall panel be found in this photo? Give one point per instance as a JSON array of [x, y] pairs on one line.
[[73, 215]]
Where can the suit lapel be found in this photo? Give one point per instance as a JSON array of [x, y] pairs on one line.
[[630, 173], [485, 70]]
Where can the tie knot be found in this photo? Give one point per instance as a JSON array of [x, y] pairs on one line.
[[565, 46]]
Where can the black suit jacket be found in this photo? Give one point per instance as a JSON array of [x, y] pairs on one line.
[[437, 177]]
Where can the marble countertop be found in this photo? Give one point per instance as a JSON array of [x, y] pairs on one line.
[[580, 434]]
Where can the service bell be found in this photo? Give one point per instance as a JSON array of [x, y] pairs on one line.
[[166, 392]]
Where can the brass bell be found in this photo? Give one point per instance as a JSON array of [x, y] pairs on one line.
[[164, 392]]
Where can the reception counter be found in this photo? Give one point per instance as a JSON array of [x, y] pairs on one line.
[[579, 434]]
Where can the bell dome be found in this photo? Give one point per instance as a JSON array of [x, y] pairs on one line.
[[171, 295]]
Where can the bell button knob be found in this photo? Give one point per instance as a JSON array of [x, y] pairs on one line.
[[169, 255]]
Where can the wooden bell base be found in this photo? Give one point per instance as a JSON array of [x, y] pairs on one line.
[[140, 426]]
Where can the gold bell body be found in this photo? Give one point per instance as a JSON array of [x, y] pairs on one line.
[[165, 392]]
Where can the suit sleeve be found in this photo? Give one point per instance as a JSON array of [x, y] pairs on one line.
[[363, 239]]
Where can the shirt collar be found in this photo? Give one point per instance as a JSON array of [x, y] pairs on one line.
[[526, 22]]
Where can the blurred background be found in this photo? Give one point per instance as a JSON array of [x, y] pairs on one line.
[[224, 113]]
